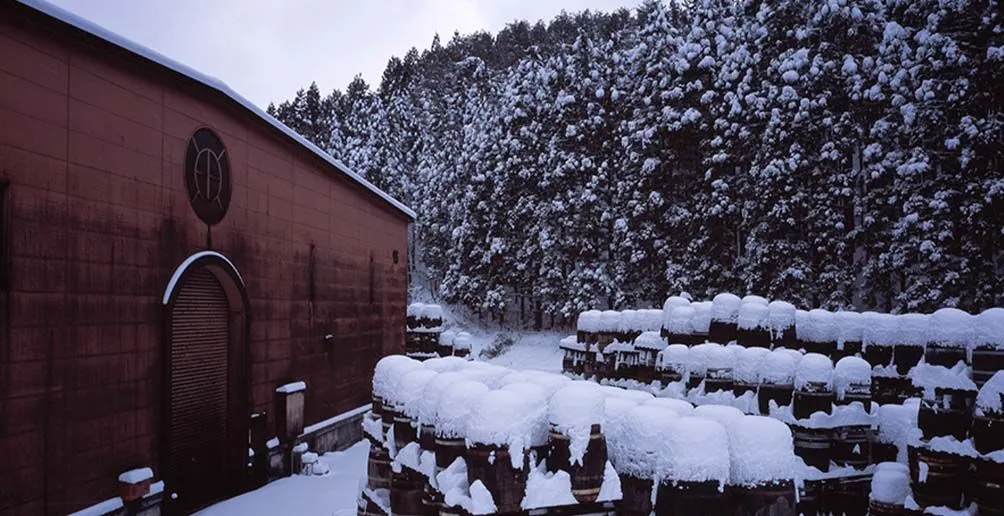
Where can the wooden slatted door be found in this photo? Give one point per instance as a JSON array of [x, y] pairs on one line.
[[197, 442]]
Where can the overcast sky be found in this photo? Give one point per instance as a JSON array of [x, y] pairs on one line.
[[268, 49]]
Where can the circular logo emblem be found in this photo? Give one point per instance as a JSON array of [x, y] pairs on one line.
[[207, 176]]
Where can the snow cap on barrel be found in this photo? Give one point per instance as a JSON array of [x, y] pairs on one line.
[[761, 450], [988, 329], [725, 307], [951, 328], [390, 369]]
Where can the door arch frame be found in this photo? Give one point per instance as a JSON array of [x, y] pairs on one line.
[[238, 368]]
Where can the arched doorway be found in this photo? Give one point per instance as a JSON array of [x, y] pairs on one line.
[[206, 382]]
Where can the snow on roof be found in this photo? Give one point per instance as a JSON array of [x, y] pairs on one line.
[[102, 33], [176, 277], [135, 476]]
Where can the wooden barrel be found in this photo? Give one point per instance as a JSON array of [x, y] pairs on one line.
[[432, 499], [988, 487], [378, 469], [683, 498], [687, 339], [826, 348], [406, 492], [693, 380], [775, 498], [947, 475], [944, 356], [848, 495], [988, 433], [986, 362], [892, 389], [780, 394], [462, 353], [722, 332], [587, 477], [366, 506], [852, 446], [813, 445], [427, 438], [784, 338], [636, 496], [949, 413], [492, 465], [448, 449], [412, 342], [906, 356], [857, 392], [444, 350], [878, 355], [884, 452], [387, 413], [718, 380], [812, 399], [876, 508], [753, 337], [404, 433], [567, 363], [376, 405], [740, 388], [849, 349], [810, 498], [430, 342]]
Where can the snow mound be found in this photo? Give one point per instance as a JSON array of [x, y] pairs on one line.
[[781, 315], [803, 326], [751, 299], [680, 407], [573, 411], [880, 329], [428, 403], [638, 441], [514, 419], [761, 450], [548, 382], [409, 393], [988, 328], [672, 303], [749, 363], [696, 449], [723, 414], [682, 321], [389, 370], [488, 374], [609, 321], [445, 364], [929, 377], [628, 394], [675, 356], [701, 355], [725, 307], [814, 368], [851, 371], [778, 368], [850, 327], [649, 340], [462, 341], [914, 329], [988, 400], [481, 499], [890, 483], [951, 327], [456, 405], [588, 321], [648, 320], [702, 317], [545, 489], [753, 316], [822, 326], [895, 423], [446, 338], [627, 321]]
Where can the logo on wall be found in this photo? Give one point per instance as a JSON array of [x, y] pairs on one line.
[[207, 176]]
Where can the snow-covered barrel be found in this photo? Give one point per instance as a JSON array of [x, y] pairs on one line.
[[702, 320], [853, 381], [890, 486], [671, 363], [648, 345], [427, 405], [988, 420], [425, 322], [949, 337], [647, 319], [879, 337], [753, 325], [575, 442], [452, 416], [988, 344], [849, 333], [813, 386], [718, 368], [409, 391], [681, 326], [823, 337], [626, 325], [637, 439], [607, 327], [894, 424], [777, 380], [910, 339], [697, 363], [695, 469], [724, 318], [445, 347], [414, 313], [587, 327], [761, 467], [940, 472], [504, 425], [407, 490], [573, 360], [949, 396], [671, 304], [746, 372], [781, 315], [462, 344], [388, 371], [987, 489]]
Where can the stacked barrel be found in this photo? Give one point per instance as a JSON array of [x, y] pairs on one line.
[[424, 325]]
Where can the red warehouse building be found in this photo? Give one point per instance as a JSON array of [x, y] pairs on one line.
[[169, 256]]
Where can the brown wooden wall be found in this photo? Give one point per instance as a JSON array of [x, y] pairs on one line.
[[91, 144]]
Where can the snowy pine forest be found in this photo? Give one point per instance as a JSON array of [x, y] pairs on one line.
[[832, 153]]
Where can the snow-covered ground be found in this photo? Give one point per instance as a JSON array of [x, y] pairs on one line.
[[334, 494]]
